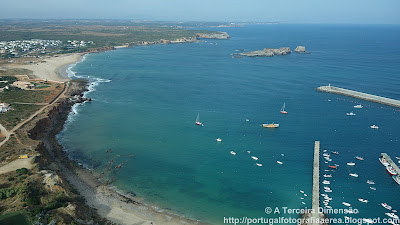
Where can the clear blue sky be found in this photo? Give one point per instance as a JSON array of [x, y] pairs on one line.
[[291, 11]]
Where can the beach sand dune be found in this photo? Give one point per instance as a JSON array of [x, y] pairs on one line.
[[49, 67]]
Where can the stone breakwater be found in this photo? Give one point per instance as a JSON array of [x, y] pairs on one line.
[[360, 95]]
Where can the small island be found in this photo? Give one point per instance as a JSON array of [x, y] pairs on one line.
[[269, 52]]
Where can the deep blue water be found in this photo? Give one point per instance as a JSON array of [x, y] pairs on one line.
[[146, 99]]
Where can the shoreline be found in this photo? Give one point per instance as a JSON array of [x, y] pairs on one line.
[[111, 203]]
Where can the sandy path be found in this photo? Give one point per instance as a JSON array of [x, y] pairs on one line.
[[17, 164]]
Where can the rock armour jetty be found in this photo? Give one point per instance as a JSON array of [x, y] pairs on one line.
[[360, 95]]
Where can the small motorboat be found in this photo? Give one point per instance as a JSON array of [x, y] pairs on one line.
[[351, 164], [327, 175], [353, 174], [363, 200], [279, 162], [370, 182], [374, 127], [386, 206], [270, 125], [247, 120], [328, 159], [248, 152], [350, 114], [255, 158], [392, 215], [218, 139], [301, 191], [346, 204], [336, 153], [326, 155], [326, 182], [258, 164], [232, 152], [373, 188], [359, 158], [332, 167], [359, 106]]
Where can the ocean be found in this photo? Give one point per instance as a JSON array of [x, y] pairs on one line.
[[145, 101]]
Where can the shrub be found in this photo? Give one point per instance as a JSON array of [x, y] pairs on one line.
[[22, 171]]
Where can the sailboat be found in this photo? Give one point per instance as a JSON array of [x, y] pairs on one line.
[[283, 109], [198, 120]]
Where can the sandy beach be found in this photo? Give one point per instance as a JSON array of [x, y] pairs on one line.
[[49, 67]]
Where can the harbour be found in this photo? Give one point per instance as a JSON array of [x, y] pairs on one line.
[[360, 95]]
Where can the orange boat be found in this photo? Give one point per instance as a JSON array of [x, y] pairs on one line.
[[333, 167]]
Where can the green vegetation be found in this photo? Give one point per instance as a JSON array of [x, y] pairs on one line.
[[16, 71], [18, 114], [15, 218], [26, 96]]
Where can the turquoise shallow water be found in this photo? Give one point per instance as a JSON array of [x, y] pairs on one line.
[[146, 99]]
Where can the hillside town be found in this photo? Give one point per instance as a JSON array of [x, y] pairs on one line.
[[36, 47]]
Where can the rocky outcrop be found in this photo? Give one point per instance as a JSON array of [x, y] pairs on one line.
[[301, 49], [267, 52], [219, 35]]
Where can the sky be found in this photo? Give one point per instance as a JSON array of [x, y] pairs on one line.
[[288, 11]]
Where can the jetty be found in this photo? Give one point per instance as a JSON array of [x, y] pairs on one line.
[[314, 217], [360, 95], [391, 163]]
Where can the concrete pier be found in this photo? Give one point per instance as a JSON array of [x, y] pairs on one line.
[[360, 95], [315, 190], [314, 216]]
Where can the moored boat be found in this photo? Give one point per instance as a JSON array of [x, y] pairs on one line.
[[326, 182], [374, 127], [283, 111], [353, 174], [351, 164], [373, 188], [270, 125], [255, 158], [359, 158], [333, 167], [258, 164], [279, 162], [327, 175], [218, 139], [346, 204], [363, 200], [370, 182], [350, 114], [386, 206], [392, 215], [198, 120], [359, 106], [233, 153], [336, 153]]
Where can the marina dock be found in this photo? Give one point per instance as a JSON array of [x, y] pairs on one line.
[[391, 163], [360, 95]]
